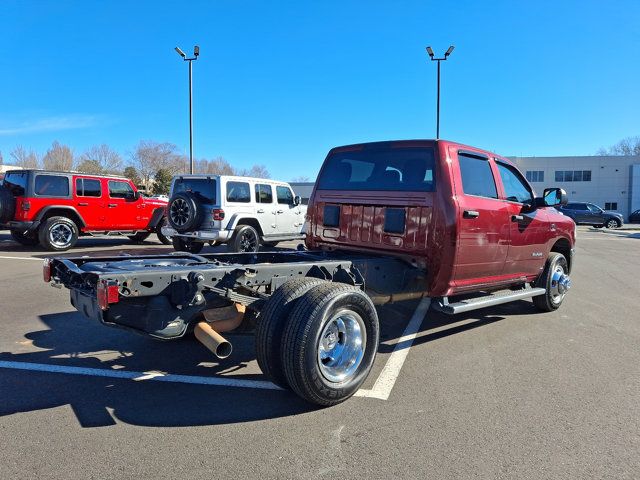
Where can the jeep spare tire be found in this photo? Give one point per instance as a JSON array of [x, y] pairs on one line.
[[185, 212], [7, 204]]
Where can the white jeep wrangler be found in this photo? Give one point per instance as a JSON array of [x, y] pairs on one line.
[[242, 212]]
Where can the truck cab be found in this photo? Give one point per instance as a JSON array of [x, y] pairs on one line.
[[465, 215]]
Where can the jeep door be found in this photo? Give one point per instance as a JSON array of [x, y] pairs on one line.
[[88, 197], [265, 208], [483, 220], [528, 226], [289, 215], [123, 207]]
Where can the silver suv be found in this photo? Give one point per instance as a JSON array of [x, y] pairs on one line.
[[242, 212]]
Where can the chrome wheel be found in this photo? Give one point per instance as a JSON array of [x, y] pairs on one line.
[[248, 241], [560, 284], [612, 224], [60, 234], [179, 212], [341, 346]]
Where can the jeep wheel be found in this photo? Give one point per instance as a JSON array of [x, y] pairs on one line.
[[330, 343], [271, 326], [555, 279], [245, 239], [186, 245], [139, 237], [161, 236], [58, 234], [28, 239], [613, 223]]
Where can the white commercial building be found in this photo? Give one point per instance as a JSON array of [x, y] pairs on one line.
[[613, 183]]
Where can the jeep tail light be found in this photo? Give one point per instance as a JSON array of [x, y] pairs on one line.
[[107, 292], [46, 270], [218, 214]]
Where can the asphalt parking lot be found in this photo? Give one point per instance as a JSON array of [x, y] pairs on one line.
[[504, 392]]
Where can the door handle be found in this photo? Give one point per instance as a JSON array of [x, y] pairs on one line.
[[260, 210], [517, 218], [112, 205], [470, 214], [83, 204], [280, 211]]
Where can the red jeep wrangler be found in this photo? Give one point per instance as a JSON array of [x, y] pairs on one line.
[[55, 208]]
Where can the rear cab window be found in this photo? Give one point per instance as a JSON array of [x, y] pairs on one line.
[[238, 192], [203, 188], [16, 182], [46, 185], [477, 177], [380, 168]]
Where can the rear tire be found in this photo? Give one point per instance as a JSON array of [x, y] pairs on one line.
[[271, 323], [551, 280], [245, 239], [161, 236], [330, 343], [28, 240], [58, 234], [139, 237], [183, 245]]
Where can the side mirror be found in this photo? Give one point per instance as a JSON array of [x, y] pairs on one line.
[[134, 196], [552, 197], [297, 200]]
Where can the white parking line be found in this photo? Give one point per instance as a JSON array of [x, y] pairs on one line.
[[387, 378], [22, 258], [381, 388]]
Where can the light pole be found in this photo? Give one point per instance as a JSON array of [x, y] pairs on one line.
[[446, 55], [196, 53]]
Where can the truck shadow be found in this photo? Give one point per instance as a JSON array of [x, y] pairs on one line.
[[72, 340]]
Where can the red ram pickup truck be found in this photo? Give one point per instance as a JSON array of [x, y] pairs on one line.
[[387, 221]]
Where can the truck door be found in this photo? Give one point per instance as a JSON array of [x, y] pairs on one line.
[[528, 227], [89, 201], [483, 232], [266, 209], [290, 218]]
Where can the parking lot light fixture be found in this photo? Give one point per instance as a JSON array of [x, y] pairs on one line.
[[196, 54], [434, 59]]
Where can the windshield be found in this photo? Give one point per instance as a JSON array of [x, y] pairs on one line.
[[380, 169], [16, 182], [203, 188]]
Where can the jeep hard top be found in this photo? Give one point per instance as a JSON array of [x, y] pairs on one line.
[[387, 221]]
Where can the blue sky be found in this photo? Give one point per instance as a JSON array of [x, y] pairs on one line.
[[279, 83]]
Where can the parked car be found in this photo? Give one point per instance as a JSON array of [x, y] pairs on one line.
[[584, 213], [387, 222], [635, 217], [53, 209], [241, 212]]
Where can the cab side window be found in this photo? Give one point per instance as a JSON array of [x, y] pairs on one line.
[[88, 187], [119, 189], [477, 177], [264, 193], [238, 192], [515, 188], [285, 196]]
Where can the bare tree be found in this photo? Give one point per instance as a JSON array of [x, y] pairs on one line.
[[301, 179], [24, 159], [626, 146], [101, 156], [150, 156], [258, 171], [90, 166], [58, 157]]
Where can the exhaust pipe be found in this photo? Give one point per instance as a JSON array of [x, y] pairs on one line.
[[211, 339]]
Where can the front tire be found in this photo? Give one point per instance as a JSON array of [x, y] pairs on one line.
[[330, 343], [245, 239], [29, 239], [612, 223], [186, 245], [58, 234], [555, 279]]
